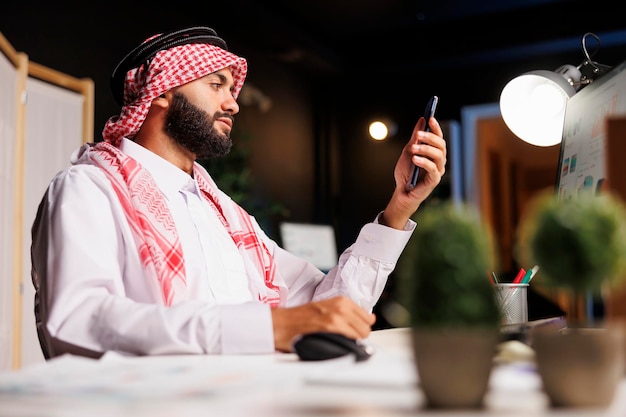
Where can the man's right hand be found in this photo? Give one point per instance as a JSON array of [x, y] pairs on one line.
[[335, 315]]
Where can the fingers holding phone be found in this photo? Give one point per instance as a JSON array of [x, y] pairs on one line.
[[429, 112]]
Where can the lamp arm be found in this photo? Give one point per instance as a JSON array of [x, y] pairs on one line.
[[590, 69]]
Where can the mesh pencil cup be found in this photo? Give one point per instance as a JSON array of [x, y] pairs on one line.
[[513, 302]]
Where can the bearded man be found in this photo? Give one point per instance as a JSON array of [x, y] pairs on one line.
[[136, 250]]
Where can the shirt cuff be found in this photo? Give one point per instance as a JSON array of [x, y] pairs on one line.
[[247, 328], [381, 242]]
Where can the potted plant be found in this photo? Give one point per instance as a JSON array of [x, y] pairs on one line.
[[580, 245], [444, 284]]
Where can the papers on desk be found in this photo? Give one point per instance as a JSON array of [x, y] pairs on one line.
[[184, 376], [120, 377], [273, 385], [160, 377], [187, 376]]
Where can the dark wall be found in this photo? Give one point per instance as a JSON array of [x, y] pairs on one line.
[[89, 43], [310, 152], [297, 146]]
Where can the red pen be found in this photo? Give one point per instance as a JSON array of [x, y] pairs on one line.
[[519, 276]]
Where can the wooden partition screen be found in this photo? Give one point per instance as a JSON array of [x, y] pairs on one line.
[[13, 75], [44, 116]]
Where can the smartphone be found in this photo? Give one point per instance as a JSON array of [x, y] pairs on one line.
[[431, 106]]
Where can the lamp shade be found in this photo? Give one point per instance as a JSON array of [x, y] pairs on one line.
[[533, 106]]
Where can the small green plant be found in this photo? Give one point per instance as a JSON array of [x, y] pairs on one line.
[[444, 270], [579, 243]]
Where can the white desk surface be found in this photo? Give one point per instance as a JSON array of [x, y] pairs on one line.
[[276, 385]]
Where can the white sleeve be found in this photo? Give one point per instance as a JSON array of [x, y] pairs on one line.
[[362, 271]]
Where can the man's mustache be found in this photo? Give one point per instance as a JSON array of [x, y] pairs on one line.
[[218, 115]]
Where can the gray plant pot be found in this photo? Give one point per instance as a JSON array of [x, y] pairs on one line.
[[454, 365], [580, 367]]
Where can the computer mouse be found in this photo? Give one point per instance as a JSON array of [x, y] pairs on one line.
[[324, 345]]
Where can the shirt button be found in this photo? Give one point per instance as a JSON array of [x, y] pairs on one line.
[[369, 237]]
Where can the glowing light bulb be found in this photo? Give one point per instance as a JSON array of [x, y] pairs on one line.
[[378, 130]]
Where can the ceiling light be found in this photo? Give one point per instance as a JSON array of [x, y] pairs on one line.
[[381, 130]]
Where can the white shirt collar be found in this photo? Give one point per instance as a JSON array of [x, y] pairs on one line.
[[168, 177]]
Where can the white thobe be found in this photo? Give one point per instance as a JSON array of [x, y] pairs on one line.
[[96, 298]]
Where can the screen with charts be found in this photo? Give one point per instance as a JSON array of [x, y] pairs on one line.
[[581, 165]]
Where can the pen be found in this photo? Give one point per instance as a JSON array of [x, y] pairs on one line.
[[519, 276], [530, 274]]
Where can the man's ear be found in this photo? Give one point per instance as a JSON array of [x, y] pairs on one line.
[[161, 101]]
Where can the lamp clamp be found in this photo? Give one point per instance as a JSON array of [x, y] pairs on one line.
[[590, 69]]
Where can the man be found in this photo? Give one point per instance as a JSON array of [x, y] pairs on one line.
[[136, 250]]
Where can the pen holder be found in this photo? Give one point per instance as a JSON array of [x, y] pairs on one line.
[[513, 302]]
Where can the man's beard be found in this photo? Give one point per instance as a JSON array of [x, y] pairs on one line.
[[193, 128]]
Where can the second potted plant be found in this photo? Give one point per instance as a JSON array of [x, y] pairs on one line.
[[580, 245]]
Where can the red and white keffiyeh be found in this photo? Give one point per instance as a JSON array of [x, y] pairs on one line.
[[145, 207], [168, 69]]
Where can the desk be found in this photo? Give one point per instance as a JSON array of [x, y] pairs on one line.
[[276, 385]]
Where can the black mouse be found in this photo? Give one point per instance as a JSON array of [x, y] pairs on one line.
[[321, 346]]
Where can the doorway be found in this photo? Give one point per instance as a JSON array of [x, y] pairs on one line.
[[501, 174]]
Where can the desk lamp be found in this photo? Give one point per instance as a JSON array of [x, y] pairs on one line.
[[533, 104]]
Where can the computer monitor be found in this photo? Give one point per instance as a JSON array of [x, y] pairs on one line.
[[582, 157], [581, 166]]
